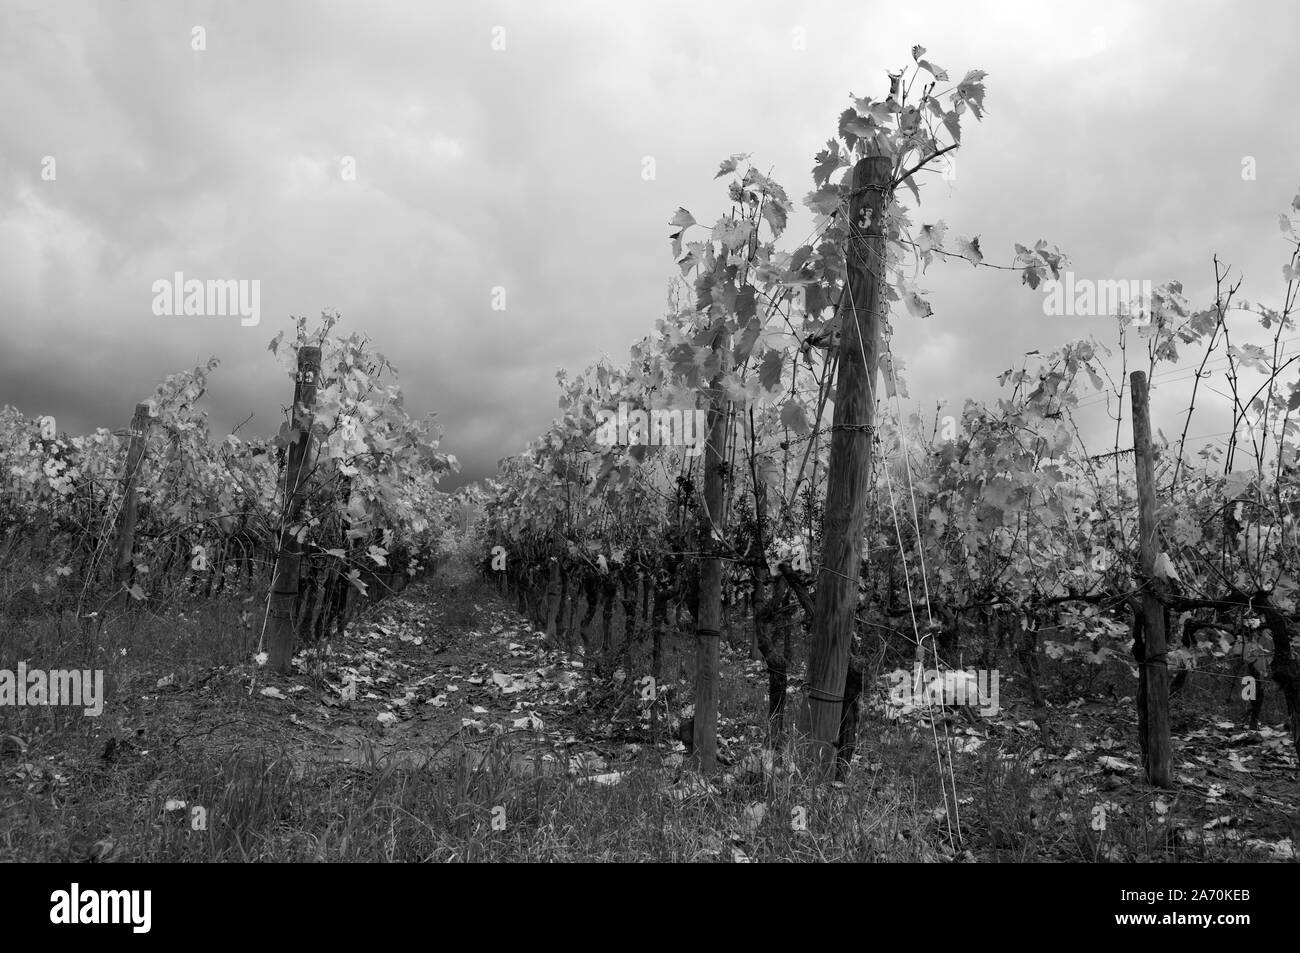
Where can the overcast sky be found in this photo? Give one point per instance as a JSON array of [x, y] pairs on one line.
[[1117, 131]]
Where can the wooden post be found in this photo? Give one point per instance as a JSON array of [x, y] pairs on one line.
[[658, 610], [284, 581], [1155, 665], [122, 566], [554, 590], [708, 619], [850, 463]]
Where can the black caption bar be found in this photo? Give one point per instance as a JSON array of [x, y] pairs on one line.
[[180, 903]]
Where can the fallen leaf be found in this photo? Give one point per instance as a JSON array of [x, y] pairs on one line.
[[1117, 765]]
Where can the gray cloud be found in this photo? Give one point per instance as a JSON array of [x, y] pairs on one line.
[[1116, 131]]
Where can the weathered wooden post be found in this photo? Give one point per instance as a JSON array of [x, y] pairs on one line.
[[284, 580], [708, 620], [122, 565], [1155, 664], [554, 592], [850, 462]]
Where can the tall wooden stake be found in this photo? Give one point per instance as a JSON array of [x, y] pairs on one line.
[[850, 463], [554, 585], [284, 581], [122, 565], [708, 622], [1155, 666]]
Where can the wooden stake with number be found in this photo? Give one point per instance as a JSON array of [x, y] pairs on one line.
[[284, 581]]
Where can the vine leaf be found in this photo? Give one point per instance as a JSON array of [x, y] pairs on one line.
[[729, 164], [794, 417], [769, 372], [970, 248]]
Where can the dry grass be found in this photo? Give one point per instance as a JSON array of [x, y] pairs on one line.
[[77, 788]]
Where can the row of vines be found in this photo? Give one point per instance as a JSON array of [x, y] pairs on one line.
[[997, 530], [210, 515]]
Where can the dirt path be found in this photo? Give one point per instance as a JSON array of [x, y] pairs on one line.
[[409, 687]]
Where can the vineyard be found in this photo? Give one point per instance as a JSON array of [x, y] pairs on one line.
[[737, 602], [137, 517]]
